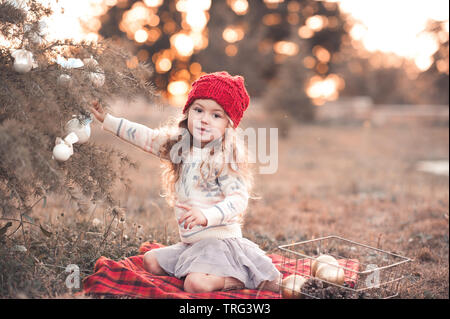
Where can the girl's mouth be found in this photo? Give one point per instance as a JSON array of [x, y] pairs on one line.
[[202, 130]]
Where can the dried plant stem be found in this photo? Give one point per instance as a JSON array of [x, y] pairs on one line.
[[107, 230], [18, 220], [83, 232]]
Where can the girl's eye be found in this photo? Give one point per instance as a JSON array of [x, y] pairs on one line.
[[197, 110], [217, 116]]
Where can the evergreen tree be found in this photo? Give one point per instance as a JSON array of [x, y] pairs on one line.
[[42, 85]]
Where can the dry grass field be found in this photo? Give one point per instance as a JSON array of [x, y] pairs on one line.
[[356, 181]]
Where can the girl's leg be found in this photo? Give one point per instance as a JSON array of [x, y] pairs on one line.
[[151, 264], [200, 282]]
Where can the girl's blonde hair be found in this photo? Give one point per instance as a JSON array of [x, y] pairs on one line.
[[232, 151]]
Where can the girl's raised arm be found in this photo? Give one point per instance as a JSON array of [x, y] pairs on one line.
[[150, 140]]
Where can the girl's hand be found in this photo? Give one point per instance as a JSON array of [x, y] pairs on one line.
[[98, 111], [192, 217]]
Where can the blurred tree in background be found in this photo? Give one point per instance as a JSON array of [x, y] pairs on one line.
[[294, 54], [435, 80], [273, 44]]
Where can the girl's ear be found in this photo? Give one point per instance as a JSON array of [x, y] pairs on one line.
[[230, 122]]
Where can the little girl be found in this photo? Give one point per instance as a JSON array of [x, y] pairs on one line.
[[207, 180]]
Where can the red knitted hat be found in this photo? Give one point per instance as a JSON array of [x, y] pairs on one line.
[[228, 91]]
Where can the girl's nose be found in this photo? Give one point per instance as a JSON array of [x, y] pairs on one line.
[[204, 118]]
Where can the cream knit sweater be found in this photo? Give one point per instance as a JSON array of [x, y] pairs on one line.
[[223, 201]]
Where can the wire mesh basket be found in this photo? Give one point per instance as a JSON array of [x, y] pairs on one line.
[[368, 272]]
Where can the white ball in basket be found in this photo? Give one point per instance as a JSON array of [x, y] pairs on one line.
[[333, 274], [291, 286], [322, 259], [81, 128]]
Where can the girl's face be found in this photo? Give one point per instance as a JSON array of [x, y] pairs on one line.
[[207, 120]]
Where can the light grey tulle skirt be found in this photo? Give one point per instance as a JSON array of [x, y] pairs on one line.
[[231, 257]]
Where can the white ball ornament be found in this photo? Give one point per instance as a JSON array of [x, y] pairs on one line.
[[291, 286], [62, 152], [97, 79], [23, 60], [80, 127], [331, 274], [322, 259], [95, 74], [63, 149], [64, 80]]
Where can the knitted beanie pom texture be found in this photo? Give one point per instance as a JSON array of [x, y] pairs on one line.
[[228, 91]]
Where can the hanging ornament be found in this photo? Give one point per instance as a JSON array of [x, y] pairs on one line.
[[64, 80], [38, 35], [98, 79], [70, 63], [23, 60], [80, 125], [95, 73], [63, 149]]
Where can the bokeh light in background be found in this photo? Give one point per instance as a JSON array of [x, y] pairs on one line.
[[376, 27]]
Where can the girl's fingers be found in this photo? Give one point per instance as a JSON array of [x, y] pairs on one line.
[[194, 223], [184, 217], [188, 220], [191, 222]]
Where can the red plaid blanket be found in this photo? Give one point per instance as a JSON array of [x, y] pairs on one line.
[[127, 278]]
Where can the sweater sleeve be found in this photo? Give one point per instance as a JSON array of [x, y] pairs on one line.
[[235, 202], [150, 140]]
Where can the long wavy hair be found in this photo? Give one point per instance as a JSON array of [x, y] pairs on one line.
[[230, 150]]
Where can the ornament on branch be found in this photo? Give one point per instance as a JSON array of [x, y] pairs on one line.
[[80, 126], [70, 63], [63, 149], [23, 61], [95, 73], [64, 80], [78, 130], [38, 36]]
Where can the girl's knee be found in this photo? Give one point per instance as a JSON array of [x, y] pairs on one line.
[[151, 264], [198, 282]]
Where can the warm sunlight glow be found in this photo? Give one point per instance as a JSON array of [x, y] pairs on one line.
[[231, 50], [193, 5], [240, 7], [286, 48], [197, 20], [394, 26], [183, 44], [141, 36], [153, 3], [163, 65], [233, 34], [67, 23], [316, 23], [324, 89], [178, 88], [305, 32]]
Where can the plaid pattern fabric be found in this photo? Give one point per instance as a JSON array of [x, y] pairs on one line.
[[128, 279]]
